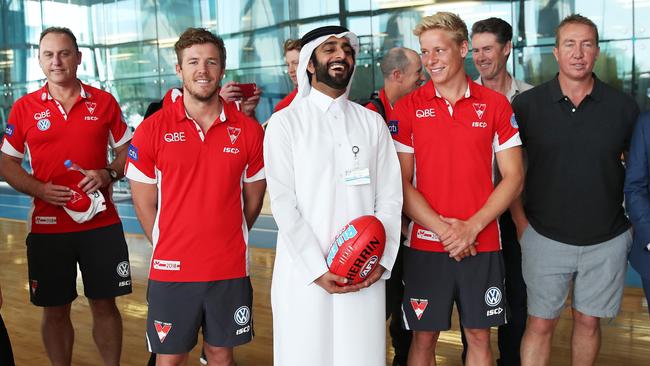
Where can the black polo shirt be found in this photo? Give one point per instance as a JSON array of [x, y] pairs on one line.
[[574, 182]]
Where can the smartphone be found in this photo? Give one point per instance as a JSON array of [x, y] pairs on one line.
[[247, 90]]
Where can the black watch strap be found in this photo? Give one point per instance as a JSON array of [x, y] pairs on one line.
[[111, 173]]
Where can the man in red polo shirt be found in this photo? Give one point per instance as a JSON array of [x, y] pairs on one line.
[[402, 71], [291, 58], [68, 120], [455, 127], [197, 179]]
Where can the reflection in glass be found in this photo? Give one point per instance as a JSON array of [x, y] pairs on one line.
[[127, 45]]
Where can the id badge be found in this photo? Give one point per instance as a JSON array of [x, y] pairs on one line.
[[357, 176]]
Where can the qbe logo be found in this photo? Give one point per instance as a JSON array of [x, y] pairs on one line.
[[175, 137], [242, 315], [42, 115], [493, 296], [423, 113]]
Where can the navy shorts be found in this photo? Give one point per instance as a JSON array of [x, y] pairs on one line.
[[433, 282], [102, 256], [223, 309]]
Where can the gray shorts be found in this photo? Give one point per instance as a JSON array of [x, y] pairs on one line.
[[597, 272], [178, 309]]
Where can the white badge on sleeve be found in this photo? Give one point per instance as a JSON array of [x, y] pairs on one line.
[[357, 176]]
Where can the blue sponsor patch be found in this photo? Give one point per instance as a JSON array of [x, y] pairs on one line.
[[513, 121], [9, 130], [392, 127], [133, 152]]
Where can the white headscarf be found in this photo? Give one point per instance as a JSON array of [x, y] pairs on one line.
[[304, 86]]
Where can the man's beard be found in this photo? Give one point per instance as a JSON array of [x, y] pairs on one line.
[[335, 82], [202, 97]]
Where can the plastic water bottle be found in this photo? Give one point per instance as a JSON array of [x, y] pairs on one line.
[[73, 166]]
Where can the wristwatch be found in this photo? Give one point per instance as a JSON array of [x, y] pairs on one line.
[[111, 173]]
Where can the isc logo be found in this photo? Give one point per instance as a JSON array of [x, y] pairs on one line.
[[243, 330], [175, 137], [422, 113], [231, 150], [479, 124], [496, 311]]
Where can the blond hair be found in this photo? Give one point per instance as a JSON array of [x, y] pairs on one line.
[[449, 22]]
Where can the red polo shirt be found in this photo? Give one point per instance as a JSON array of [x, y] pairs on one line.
[[199, 233], [39, 123], [284, 103], [454, 147], [388, 109]]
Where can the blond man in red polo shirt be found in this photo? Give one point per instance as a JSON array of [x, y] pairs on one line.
[[454, 127]]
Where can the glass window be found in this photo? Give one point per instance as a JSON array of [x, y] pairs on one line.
[[123, 21], [134, 96], [642, 73], [131, 60], [541, 17], [242, 15], [174, 16], [307, 9], [256, 49]]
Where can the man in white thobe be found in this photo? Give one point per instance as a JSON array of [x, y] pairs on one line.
[[328, 161]]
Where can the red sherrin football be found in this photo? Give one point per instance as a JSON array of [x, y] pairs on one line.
[[357, 249]]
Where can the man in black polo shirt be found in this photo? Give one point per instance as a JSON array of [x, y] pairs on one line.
[[575, 129]]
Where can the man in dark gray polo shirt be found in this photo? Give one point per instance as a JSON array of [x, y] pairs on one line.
[[574, 231]]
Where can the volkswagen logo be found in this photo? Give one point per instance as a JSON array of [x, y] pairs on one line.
[[123, 269], [43, 124], [493, 296], [242, 315]]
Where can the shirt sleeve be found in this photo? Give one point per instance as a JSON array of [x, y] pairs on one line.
[[255, 163], [14, 139], [140, 160], [371, 107], [119, 132], [506, 128], [401, 127], [388, 196], [301, 242]]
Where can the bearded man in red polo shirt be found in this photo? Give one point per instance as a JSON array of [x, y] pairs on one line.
[[197, 179]]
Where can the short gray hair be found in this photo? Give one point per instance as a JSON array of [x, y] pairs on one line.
[[395, 58]]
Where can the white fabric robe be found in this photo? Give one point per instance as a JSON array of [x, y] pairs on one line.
[[307, 149]]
